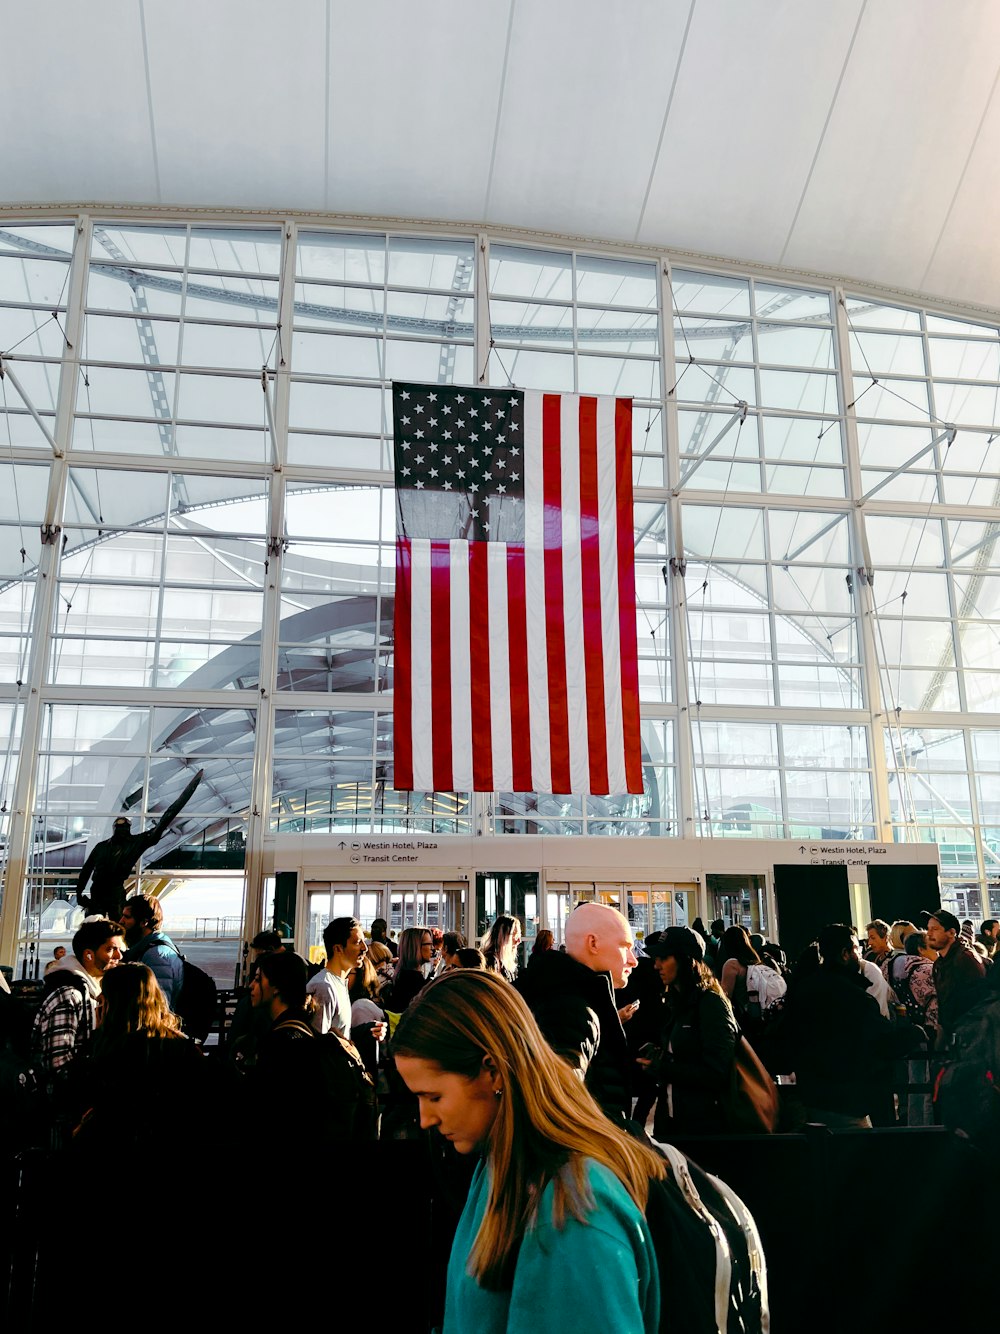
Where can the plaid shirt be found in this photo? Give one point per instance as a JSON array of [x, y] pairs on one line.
[[62, 1027]]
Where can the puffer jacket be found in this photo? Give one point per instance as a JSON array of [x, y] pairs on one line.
[[159, 953]]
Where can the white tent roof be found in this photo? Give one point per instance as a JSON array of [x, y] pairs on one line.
[[844, 137]]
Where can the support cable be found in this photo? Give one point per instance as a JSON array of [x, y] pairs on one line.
[[917, 407], [910, 573], [698, 665], [52, 315], [69, 599], [896, 741], [24, 634], [23, 638], [489, 319]]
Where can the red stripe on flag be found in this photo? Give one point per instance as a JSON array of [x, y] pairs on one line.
[[402, 690], [441, 665], [626, 596], [555, 634], [590, 571], [479, 640], [517, 653]]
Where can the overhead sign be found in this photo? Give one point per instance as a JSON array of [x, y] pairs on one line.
[[388, 856], [366, 852], [859, 856]]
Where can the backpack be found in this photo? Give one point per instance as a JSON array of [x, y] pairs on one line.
[[344, 1088], [197, 1006], [901, 993], [967, 1090], [713, 1278], [765, 989]]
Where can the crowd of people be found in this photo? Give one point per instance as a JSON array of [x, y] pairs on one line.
[[647, 1023], [546, 1069]]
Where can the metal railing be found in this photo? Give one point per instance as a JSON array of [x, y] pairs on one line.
[[217, 928]]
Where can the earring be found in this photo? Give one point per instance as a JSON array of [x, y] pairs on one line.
[[498, 1093]]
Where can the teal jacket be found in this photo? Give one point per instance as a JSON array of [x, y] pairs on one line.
[[158, 952], [597, 1277]]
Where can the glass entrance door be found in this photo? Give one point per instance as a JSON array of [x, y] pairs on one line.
[[514, 892], [425, 903], [327, 900], [740, 900], [402, 904], [558, 905], [649, 906]]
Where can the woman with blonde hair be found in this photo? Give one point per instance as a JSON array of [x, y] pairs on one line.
[[898, 933], [560, 1191], [382, 961]]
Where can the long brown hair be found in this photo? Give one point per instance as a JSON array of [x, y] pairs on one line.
[[544, 941], [498, 943], [547, 1124], [133, 1004], [736, 944]]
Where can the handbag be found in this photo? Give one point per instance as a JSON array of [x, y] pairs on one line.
[[750, 1105]]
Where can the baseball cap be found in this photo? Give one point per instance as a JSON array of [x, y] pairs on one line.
[[679, 940], [947, 919]]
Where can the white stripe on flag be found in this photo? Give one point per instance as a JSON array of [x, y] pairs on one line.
[[610, 630], [420, 664], [534, 593], [572, 568], [461, 668], [499, 651]]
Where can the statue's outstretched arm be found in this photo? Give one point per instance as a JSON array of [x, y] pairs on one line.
[[174, 809]]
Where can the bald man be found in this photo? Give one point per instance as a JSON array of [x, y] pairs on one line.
[[572, 996]]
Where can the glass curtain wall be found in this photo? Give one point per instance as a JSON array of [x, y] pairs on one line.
[[196, 445]]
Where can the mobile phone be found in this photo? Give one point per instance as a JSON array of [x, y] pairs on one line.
[[649, 1051]]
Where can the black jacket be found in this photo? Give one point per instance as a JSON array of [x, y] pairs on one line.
[[958, 981], [837, 1041], [578, 1014], [699, 1042], [404, 988]]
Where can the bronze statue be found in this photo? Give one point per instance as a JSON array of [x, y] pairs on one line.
[[112, 862]]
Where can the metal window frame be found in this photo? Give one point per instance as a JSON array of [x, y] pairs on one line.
[[854, 504]]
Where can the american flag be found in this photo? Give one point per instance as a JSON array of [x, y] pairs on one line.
[[515, 662]]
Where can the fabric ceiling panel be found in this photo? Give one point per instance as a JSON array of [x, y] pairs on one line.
[[582, 110], [856, 140], [413, 98], [905, 119], [238, 101], [751, 99], [964, 264], [76, 124]]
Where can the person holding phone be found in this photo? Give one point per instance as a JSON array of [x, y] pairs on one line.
[[693, 1061]]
